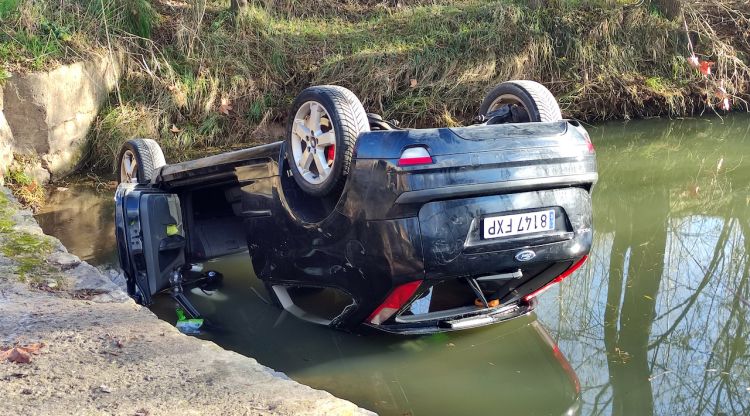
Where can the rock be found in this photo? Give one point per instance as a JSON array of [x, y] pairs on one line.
[[116, 276], [86, 278], [26, 391], [6, 144], [50, 113], [63, 260]]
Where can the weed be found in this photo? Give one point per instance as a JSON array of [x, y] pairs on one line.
[[25, 188], [426, 62]]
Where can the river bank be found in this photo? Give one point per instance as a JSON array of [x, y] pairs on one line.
[[200, 79], [103, 354]]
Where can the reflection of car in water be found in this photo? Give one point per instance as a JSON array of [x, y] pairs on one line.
[[514, 368], [404, 230]]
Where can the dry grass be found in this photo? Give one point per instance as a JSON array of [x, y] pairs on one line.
[[424, 62]]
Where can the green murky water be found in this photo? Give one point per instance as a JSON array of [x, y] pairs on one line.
[[655, 323]]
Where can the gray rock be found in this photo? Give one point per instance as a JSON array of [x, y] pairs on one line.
[[87, 278], [6, 145], [63, 260], [116, 276], [48, 114]]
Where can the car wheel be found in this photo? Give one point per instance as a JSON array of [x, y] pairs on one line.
[[139, 160], [528, 101], [326, 123]]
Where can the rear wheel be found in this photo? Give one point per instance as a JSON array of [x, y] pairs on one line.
[[139, 160], [527, 101], [321, 136]]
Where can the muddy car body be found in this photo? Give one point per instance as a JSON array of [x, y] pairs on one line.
[[410, 242]]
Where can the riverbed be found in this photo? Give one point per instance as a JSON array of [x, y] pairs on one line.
[[655, 323]]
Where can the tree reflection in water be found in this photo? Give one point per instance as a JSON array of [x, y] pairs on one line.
[[663, 304]]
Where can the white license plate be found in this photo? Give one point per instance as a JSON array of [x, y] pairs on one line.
[[515, 224]]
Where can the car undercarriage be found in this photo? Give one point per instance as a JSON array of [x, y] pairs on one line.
[[354, 221]]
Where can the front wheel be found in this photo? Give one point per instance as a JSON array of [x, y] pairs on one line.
[[321, 135], [525, 101]]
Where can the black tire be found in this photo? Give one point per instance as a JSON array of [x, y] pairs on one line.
[[148, 157], [347, 120], [535, 98]]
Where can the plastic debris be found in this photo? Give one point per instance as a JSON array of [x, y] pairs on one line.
[[187, 326]]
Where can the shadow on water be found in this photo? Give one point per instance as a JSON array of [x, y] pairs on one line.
[[655, 323]]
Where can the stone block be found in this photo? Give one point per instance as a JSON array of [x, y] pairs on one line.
[[50, 113]]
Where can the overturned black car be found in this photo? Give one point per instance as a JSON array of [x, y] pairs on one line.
[[404, 230]]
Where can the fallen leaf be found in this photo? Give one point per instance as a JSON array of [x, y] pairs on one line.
[[226, 106], [719, 165], [412, 82], [18, 356], [705, 67], [141, 412], [174, 129]]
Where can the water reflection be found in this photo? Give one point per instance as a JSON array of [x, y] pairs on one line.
[[82, 217], [656, 323]]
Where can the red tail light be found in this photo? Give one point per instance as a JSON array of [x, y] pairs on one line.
[[589, 143], [415, 156], [398, 298], [558, 279]]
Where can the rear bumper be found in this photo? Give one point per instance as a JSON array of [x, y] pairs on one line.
[[456, 319]]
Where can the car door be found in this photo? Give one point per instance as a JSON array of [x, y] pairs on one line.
[[150, 237]]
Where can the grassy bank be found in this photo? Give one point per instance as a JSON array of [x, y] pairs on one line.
[[201, 78]]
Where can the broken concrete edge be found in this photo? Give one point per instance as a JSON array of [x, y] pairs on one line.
[[47, 115], [83, 281]]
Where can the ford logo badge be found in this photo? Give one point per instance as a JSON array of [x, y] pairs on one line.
[[525, 255]]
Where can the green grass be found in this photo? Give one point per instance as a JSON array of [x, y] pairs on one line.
[[603, 59], [39, 35]]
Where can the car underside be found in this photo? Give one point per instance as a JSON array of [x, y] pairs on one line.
[[422, 230]]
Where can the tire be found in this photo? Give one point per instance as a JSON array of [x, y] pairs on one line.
[[537, 101], [148, 158], [317, 168]]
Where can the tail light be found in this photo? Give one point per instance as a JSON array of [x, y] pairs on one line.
[[589, 143], [558, 279], [415, 156], [395, 301], [586, 137]]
